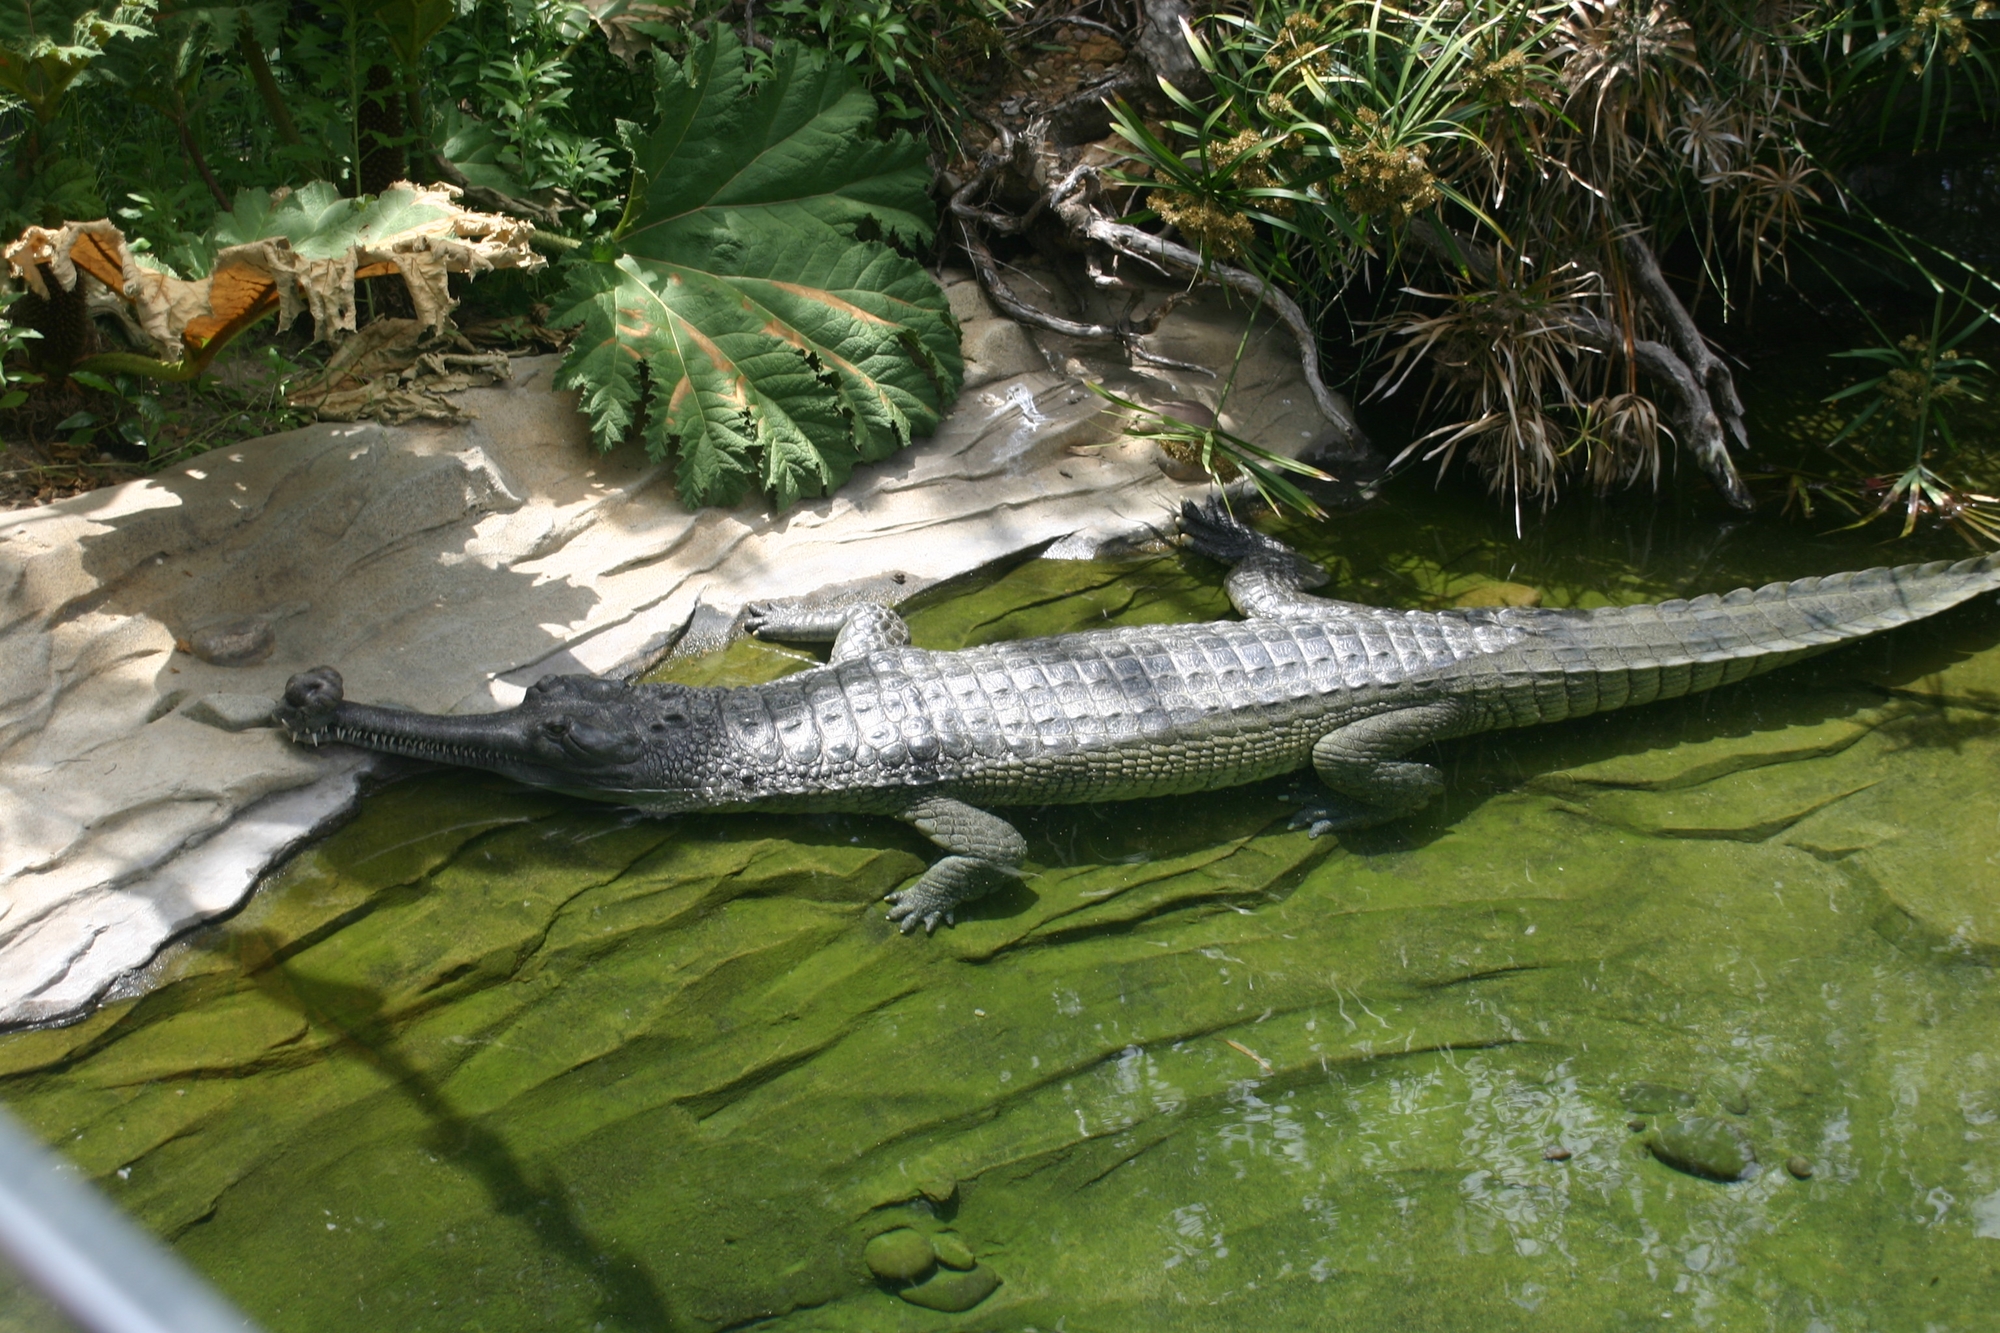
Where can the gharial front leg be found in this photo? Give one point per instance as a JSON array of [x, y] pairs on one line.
[[984, 850], [1362, 762], [857, 629], [1267, 579]]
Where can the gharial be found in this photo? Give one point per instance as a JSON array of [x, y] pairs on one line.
[[1114, 714]]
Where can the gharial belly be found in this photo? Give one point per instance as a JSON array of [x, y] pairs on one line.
[[1194, 759]]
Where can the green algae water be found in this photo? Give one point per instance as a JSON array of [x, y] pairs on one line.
[[1679, 1016]]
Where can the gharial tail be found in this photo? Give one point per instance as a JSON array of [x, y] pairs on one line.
[[1640, 653]]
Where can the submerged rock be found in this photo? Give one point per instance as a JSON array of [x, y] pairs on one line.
[[1654, 1098], [1711, 1149], [952, 1292], [900, 1256], [953, 1252]]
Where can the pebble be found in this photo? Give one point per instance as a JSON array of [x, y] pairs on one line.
[[953, 1252], [1556, 1154], [1799, 1167], [1711, 1149], [233, 643], [952, 1292], [899, 1256], [1636, 1125], [1736, 1101]]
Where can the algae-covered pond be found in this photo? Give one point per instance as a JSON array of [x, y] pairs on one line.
[[493, 1059]]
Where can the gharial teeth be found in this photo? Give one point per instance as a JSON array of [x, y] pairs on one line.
[[412, 746]]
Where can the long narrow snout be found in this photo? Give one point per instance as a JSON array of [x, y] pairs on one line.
[[535, 742], [315, 711]]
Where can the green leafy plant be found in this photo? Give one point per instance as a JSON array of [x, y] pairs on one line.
[[194, 417], [901, 49], [1222, 455], [14, 340], [1914, 65], [45, 47], [774, 344], [506, 82], [1535, 165], [1924, 381]]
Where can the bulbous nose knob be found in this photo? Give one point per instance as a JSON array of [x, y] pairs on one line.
[[310, 700]]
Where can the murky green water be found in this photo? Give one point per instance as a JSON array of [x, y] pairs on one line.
[[492, 1059]]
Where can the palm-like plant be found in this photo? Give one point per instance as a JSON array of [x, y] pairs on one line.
[[1923, 379], [1514, 169]]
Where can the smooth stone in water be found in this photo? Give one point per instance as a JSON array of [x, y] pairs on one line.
[[952, 1292], [899, 1256], [1800, 1168], [1711, 1149], [953, 1252]]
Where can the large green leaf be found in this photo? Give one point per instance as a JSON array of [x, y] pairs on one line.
[[45, 44], [779, 348], [319, 221], [411, 24]]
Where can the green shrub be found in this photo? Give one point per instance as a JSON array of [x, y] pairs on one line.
[[774, 345]]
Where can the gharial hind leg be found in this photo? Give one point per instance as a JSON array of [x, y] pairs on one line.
[[857, 629], [1267, 578], [985, 849], [1372, 783]]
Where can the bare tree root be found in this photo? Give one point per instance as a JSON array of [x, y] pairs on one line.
[[1126, 332], [1690, 412], [1086, 220], [1035, 164], [1708, 403]]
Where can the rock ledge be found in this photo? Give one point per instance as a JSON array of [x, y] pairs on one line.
[[447, 568]]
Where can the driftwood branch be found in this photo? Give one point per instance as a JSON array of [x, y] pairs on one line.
[[1126, 332], [1713, 413], [1072, 201]]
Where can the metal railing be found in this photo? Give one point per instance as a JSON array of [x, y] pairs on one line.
[[90, 1260]]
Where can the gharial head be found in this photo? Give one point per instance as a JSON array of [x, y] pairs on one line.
[[603, 739]]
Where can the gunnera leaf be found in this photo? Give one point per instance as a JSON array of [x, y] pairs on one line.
[[321, 223], [780, 349], [301, 252]]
